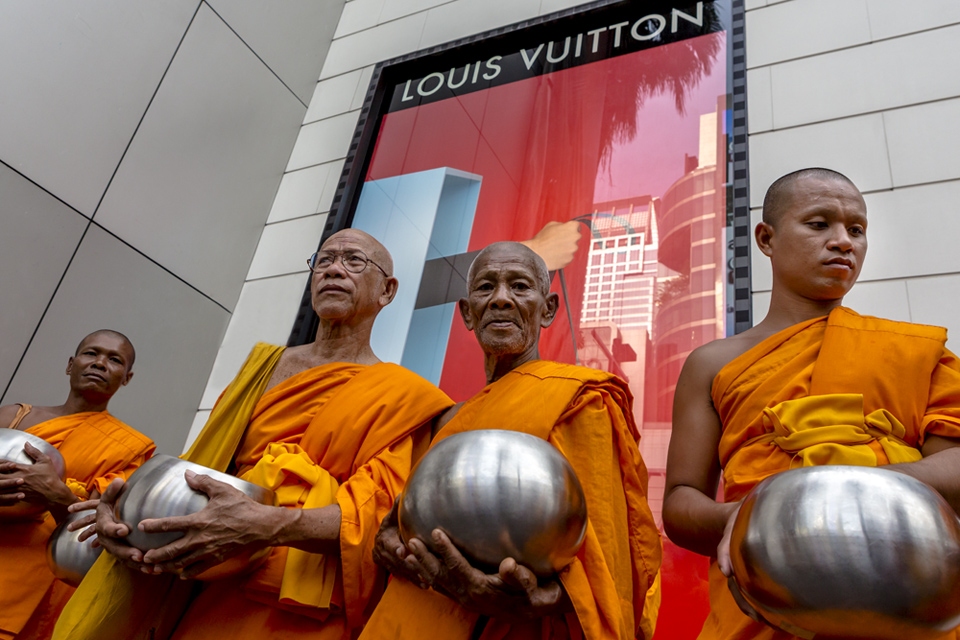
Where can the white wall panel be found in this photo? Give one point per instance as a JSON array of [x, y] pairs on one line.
[[323, 141], [76, 83], [855, 147], [39, 235], [760, 100], [291, 37], [924, 142], [285, 246], [333, 96], [197, 183], [750, 5], [373, 45], [913, 231], [361, 93], [761, 304], [109, 285], [552, 6], [884, 75], [401, 8], [463, 18], [358, 15], [936, 300], [306, 191], [265, 313], [890, 18], [816, 26], [885, 298]]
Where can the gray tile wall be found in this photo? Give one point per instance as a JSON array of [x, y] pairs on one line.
[[142, 145]]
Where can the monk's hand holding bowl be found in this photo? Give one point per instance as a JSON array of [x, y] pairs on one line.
[[513, 594], [37, 483], [110, 532], [89, 522], [230, 523], [390, 553], [10, 483]]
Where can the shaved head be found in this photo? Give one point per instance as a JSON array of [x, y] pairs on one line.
[[515, 250], [370, 246], [112, 334], [780, 194]]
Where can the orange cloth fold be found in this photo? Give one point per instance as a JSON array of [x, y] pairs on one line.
[[340, 433], [96, 448], [841, 389], [586, 415]]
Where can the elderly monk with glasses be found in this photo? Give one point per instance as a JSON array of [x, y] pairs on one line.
[[329, 428]]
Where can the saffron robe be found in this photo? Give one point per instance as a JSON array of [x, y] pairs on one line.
[[586, 415], [96, 448], [841, 389], [339, 433]]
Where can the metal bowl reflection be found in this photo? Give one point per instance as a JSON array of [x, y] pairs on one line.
[[11, 450], [68, 558], [497, 494], [158, 490], [849, 551]]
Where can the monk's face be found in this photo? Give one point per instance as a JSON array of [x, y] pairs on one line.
[[338, 293], [504, 306], [818, 245], [101, 366]]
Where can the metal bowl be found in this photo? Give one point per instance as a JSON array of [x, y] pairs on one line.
[[11, 450], [497, 494], [158, 490], [849, 551], [70, 559]]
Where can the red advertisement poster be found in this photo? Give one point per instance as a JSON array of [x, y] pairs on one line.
[[605, 148]]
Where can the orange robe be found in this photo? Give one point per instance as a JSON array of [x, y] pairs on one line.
[[585, 414], [96, 448], [339, 433], [841, 389]]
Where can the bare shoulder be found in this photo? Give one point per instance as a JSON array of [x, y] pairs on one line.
[[705, 362], [7, 414]]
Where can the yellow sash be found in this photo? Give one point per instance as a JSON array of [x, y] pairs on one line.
[[299, 482], [832, 429]]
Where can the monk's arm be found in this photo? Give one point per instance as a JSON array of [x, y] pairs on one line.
[[939, 468], [232, 523], [692, 517]]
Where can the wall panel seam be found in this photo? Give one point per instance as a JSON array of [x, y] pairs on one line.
[[146, 110]]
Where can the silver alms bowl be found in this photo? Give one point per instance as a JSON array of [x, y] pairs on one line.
[[158, 489], [849, 551], [70, 559], [11, 450], [497, 494]]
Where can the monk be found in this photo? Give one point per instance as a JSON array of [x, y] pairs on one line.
[[813, 383], [329, 428], [96, 448], [586, 415]]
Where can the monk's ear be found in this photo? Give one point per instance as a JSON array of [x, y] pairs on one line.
[[464, 305], [126, 378], [69, 365], [552, 303], [389, 292], [763, 233]]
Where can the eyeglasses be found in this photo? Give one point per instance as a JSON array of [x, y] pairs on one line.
[[352, 261]]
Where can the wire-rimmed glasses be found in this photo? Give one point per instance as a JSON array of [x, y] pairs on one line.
[[353, 261]]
